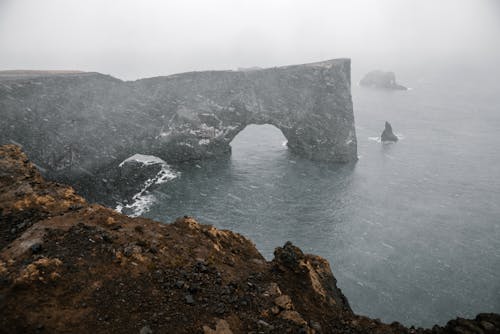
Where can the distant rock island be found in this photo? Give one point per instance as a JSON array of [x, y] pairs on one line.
[[381, 80], [67, 266], [77, 124], [388, 135]]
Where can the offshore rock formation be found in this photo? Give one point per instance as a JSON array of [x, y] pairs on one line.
[[387, 134], [80, 123], [69, 266], [382, 80]]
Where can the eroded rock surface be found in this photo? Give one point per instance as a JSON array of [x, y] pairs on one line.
[[80, 123], [70, 266]]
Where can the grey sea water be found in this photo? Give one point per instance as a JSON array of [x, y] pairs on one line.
[[412, 230]]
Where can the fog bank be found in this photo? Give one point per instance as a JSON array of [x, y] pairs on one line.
[[132, 39]]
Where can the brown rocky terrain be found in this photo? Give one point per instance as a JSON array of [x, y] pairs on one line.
[[67, 266]]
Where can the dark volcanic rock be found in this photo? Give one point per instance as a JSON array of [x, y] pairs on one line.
[[117, 183], [80, 123], [289, 256], [381, 79], [387, 134]]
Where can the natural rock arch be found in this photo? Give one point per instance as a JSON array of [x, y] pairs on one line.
[[82, 122], [311, 104], [258, 139]]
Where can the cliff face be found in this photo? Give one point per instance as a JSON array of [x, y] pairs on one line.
[[70, 266], [81, 123]]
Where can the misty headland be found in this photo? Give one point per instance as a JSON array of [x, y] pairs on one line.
[[410, 228]]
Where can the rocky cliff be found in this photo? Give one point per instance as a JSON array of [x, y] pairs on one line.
[[81, 123], [70, 266]]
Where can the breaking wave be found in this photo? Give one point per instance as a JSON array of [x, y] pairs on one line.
[[143, 200]]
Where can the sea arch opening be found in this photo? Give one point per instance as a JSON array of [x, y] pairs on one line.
[[258, 141]]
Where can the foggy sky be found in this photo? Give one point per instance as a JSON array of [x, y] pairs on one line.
[[132, 39]]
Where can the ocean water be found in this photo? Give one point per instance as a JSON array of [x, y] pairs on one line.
[[412, 230]]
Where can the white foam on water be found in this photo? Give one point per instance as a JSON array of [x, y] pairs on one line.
[[143, 200], [140, 204], [387, 245], [389, 156], [234, 197], [379, 140]]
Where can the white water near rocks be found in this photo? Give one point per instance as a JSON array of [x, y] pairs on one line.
[[143, 200], [412, 230]]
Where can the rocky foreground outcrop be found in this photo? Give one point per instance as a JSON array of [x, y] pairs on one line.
[[70, 266]]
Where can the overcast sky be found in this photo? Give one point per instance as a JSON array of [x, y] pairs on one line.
[[132, 39]]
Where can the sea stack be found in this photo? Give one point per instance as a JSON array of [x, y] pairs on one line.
[[387, 134], [381, 80]]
